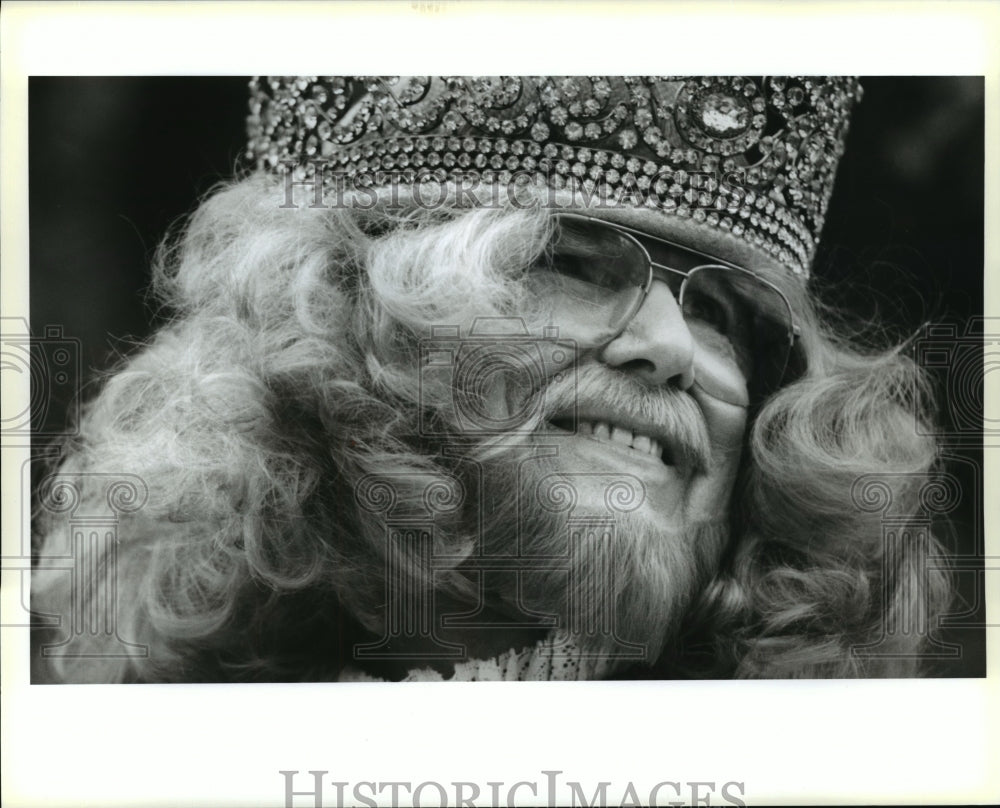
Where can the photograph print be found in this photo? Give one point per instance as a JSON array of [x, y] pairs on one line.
[[478, 378]]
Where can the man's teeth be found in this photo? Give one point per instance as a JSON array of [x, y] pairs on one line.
[[602, 430]]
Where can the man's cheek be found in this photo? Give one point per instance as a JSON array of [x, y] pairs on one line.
[[710, 493], [709, 497], [727, 424]]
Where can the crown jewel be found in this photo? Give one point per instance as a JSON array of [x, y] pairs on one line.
[[751, 156]]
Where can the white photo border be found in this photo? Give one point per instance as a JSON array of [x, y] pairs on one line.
[[811, 742]]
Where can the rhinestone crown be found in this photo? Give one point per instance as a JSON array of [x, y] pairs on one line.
[[752, 156]]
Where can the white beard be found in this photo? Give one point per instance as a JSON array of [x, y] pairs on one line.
[[618, 586], [615, 578]]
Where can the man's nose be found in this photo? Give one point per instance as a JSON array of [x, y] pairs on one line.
[[656, 346]]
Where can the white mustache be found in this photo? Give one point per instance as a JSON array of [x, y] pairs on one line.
[[595, 389]]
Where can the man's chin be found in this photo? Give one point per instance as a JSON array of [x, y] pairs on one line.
[[618, 575], [629, 590]]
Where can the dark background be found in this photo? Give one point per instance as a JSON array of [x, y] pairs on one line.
[[114, 162]]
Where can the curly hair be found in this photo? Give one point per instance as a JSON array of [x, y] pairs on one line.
[[287, 375]]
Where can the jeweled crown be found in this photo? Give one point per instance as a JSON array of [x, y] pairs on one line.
[[752, 156]]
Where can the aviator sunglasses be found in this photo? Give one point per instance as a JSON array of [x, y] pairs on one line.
[[594, 276]]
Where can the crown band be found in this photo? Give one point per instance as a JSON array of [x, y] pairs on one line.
[[754, 157]]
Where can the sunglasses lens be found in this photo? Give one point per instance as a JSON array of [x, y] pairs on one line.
[[590, 279], [741, 321], [598, 255]]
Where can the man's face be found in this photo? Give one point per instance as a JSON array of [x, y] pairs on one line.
[[640, 411], [635, 430], [657, 388]]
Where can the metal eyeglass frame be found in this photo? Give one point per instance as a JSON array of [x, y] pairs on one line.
[[652, 266]]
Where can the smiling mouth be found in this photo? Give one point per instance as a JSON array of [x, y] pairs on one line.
[[622, 436]]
